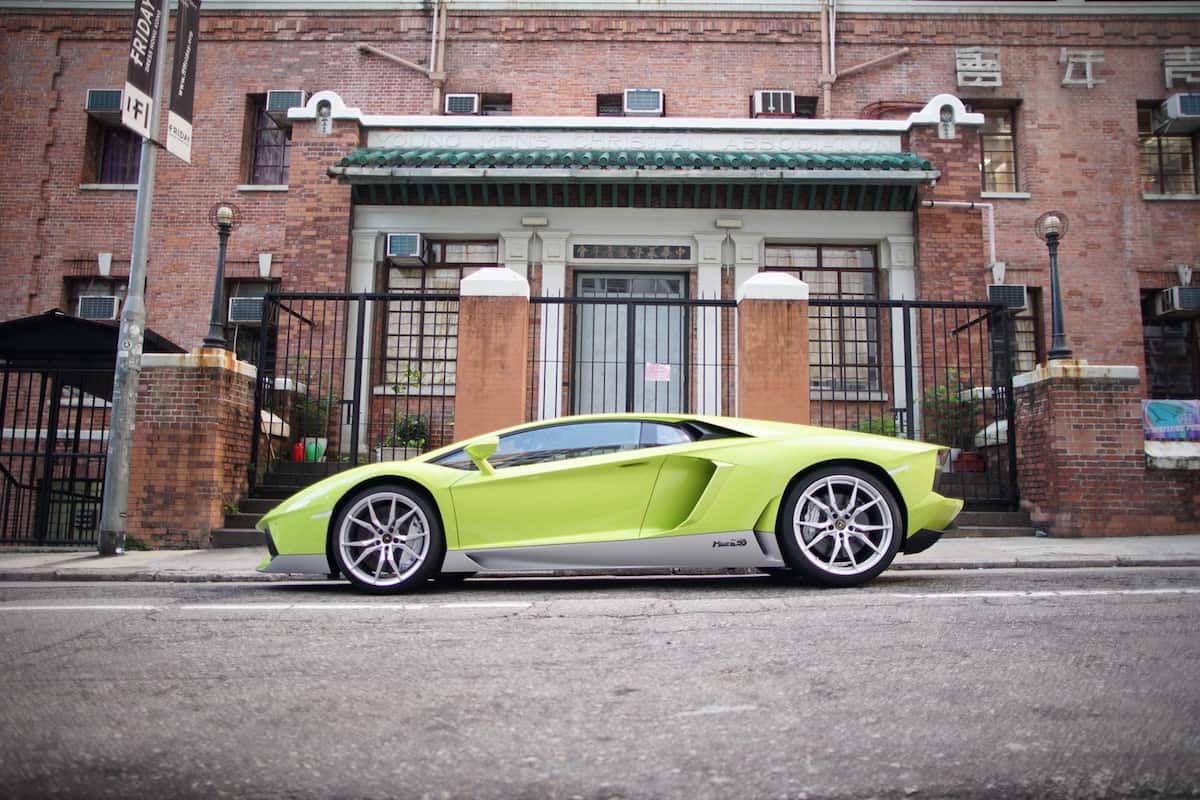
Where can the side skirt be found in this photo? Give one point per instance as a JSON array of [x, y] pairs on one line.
[[704, 550]]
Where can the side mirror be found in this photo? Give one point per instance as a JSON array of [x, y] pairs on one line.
[[479, 452]]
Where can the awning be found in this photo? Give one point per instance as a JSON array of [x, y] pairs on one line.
[[635, 178]]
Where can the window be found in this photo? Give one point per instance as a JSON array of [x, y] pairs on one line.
[[1168, 162], [100, 289], [243, 328], [495, 105], [997, 140], [1172, 353], [420, 335], [844, 343], [114, 154], [610, 105], [268, 146], [1027, 334]]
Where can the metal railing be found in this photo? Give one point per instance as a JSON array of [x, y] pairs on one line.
[[346, 379]]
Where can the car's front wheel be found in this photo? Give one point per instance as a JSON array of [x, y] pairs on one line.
[[388, 539], [840, 526]]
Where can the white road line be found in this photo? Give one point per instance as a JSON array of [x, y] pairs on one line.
[[364, 606], [1041, 593], [78, 608]]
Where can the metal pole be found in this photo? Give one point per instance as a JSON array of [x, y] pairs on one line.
[[132, 334], [1058, 342], [216, 332]]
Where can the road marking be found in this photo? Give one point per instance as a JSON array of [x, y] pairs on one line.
[[1041, 593], [79, 608], [369, 606]]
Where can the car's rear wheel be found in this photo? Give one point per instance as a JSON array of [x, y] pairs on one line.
[[840, 526], [388, 539]]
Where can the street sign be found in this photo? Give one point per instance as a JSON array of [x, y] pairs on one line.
[[183, 80], [137, 101]]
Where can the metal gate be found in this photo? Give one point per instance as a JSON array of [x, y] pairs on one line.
[[347, 379], [53, 447], [936, 371]]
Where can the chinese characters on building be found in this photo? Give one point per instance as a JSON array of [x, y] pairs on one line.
[[977, 66]]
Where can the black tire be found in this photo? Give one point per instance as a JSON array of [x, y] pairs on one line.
[[387, 539], [840, 526]]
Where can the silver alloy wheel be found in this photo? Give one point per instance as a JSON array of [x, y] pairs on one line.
[[843, 524], [383, 538]]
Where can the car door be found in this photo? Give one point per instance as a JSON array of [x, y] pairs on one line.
[[558, 484]]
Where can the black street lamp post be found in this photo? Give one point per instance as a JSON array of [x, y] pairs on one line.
[[1051, 227], [223, 219]]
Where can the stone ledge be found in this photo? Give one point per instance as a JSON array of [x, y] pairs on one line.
[[1076, 370], [204, 358]]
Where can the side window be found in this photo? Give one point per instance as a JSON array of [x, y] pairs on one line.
[[658, 434], [556, 443], [267, 146]]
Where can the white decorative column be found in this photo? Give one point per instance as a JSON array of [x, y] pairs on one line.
[[709, 260], [514, 251], [364, 244], [550, 324], [897, 262], [747, 257]]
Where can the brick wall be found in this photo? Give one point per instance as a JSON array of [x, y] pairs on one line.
[[190, 448], [1082, 466]]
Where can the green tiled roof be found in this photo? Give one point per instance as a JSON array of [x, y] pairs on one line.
[[385, 158]]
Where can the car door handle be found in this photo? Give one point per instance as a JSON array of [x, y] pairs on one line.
[[634, 464]]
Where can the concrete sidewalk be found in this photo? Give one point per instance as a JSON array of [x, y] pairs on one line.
[[239, 564]]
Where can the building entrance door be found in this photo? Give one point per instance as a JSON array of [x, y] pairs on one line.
[[630, 343]]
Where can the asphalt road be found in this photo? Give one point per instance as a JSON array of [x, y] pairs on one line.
[[1009, 684]]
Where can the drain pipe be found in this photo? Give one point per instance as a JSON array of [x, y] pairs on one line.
[[989, 221]]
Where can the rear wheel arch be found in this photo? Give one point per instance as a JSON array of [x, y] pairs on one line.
[[873, 469]]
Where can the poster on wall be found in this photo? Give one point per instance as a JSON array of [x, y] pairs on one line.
[[1171, 420]]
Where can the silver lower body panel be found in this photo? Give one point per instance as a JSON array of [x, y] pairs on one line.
[[302, 565], [707, 550]]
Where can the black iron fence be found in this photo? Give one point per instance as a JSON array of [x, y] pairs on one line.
[[935, 371], [347, 379], [595, 355], [53, 444]]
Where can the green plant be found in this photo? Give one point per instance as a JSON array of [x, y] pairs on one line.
[[407, 430], [948, 411], [314, 414], [410, 378], [883, 426], [229, 508]]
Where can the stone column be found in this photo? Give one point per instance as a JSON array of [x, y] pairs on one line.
[[493, 346], [514, 246], [191, 445], [551, 325], [773, 361], [707, 350]]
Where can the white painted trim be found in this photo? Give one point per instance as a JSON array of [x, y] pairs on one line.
[[204, 358], [108, 187], [773, 286], [688, 124], [931, 113], [1159, 198], [494, 282], [1006, 195], [924, 7], [262, 187], [610, 174]]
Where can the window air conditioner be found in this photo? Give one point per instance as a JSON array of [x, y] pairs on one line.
[[643, 102], [1012, 296], [406, 248], [98, 306], [1179, 113], [104, 104], [280, 100], [462, 104], [1178, 302], [774, 103], [245, 310]]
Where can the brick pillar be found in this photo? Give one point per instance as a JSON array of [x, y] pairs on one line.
[[773, 348], [493, 352], [1081, 457], [191, 445]]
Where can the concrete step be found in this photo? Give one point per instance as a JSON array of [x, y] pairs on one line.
[[237, 537], [256, 505], [985, 531], [993, 518], [242, 519]]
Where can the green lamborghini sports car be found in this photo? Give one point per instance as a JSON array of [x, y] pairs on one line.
[[621, 490]]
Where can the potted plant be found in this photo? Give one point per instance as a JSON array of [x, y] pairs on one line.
[[314, 425], [405, 439], [948, 413]]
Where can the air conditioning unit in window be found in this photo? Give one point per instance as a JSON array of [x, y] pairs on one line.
[[462, 104], [643, 102], [1012, 296], [104, 104], [98, 306], [280, 100], [1178, 302], [1179, 113], [245, 310], [406, 248], [774, 103]]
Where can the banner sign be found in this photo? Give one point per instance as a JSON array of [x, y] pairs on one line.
[[183, 80], [1171, 420], [137, 101]]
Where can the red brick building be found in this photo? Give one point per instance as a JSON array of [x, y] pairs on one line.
[[878, 150]]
